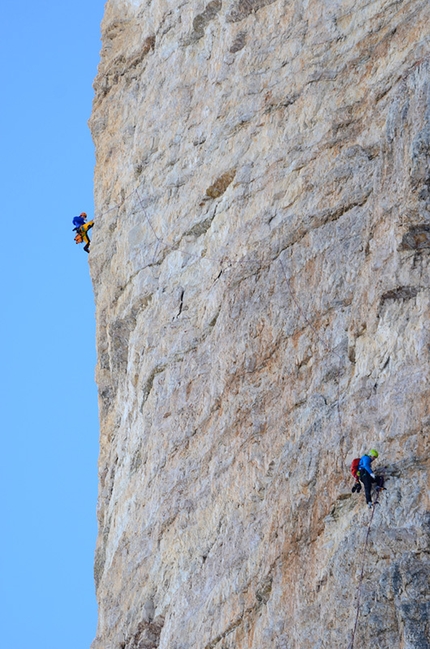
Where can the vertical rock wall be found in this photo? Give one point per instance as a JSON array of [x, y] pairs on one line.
[[260, 261]]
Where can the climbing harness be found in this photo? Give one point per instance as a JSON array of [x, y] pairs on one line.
[[360, 579]]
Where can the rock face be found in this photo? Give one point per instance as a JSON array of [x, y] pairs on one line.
[[260, 260]]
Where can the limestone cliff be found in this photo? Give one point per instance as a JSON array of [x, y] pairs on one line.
[[260, 260]]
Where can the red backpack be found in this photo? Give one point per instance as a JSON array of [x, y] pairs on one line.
[[354, 467]]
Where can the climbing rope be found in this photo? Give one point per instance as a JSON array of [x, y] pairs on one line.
[[228, 265], [361, 577], [160, 241], [327, 347], [360, 581]]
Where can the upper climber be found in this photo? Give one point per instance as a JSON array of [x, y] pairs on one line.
[[81, 228]]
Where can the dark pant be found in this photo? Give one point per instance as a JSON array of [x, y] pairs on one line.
[[367, 480]]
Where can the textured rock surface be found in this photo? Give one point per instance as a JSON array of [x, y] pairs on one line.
[[260, 261]]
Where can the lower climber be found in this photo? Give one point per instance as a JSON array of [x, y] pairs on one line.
[[81, 228], [367, 476]]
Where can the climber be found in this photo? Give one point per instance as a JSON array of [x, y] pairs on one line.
[[81, 228], [367, 477]]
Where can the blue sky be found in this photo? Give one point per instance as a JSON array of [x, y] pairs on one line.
[[49, 429]]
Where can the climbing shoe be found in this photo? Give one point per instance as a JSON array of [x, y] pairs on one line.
[[370, 505]]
